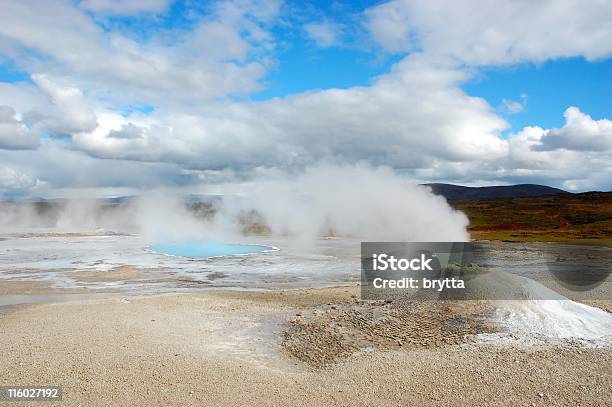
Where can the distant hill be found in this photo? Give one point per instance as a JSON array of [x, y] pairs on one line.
[[582, 218], [458, 193]]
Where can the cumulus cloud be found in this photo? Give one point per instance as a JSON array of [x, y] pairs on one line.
[[68, 112], [491, 32], [324, 34], [128, 131], [405, 120], [14, 134], [580, 133], [46, 107], [22, 96], [125, 8], [14, 181], [415, 118], [526, 162], [61, 171], [233, 31], [224, 54]]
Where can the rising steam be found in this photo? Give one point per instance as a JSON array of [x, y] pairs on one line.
[[356, 201]]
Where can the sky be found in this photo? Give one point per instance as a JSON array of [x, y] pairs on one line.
[[109, 97]]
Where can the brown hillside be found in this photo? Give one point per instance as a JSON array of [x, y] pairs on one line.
[[581, 218]]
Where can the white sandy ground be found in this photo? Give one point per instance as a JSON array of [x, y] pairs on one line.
[[544, 322], [556, 320], [221, 348]]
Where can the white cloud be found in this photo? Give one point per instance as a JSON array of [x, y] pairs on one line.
[[68, 111], [125, 8], [526, 163], [389, 24], [324, 34], [491, 32], [580, 133], [22, 96], [14, 181], [45, 107], [404, 120], [128, 131], [57, 168], [14, 134], [233, 31], [224, 55], [510, 106], [415, 118]]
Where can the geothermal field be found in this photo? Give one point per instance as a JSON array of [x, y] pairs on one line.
[[305, 203], [117, 299]]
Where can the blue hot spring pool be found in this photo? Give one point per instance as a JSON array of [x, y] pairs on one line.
[[208, 249]]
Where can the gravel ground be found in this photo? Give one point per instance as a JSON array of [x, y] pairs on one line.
[[225, 348]]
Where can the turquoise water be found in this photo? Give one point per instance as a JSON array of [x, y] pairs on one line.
[[207, 249]]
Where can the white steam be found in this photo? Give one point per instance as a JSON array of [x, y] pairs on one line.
[[356, 201], [359, 201]]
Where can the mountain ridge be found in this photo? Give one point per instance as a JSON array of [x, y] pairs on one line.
[[454, 192]]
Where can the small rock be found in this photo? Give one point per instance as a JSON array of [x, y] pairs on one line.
[[540, 395]]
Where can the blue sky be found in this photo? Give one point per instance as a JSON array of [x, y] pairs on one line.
[[10, 73], [550, 88], [212, 92]]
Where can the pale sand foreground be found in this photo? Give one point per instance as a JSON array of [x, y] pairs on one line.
[[222, 348]]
